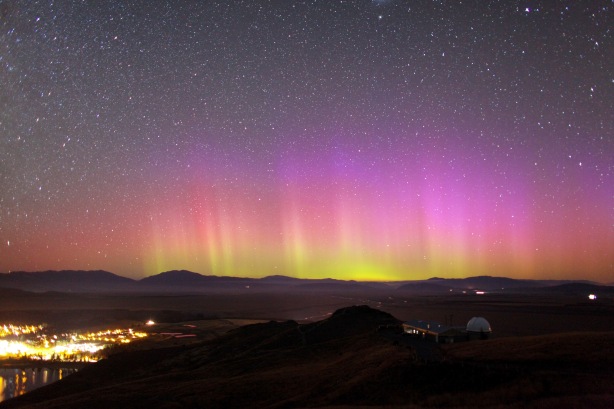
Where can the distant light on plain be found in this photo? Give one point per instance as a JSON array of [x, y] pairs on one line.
[[592, 297], [35, 343]]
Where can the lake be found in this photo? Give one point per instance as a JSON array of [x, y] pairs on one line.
[[15, 381]]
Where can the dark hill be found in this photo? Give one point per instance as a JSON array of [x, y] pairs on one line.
[[348, 322], [349, 359], [275, 364]]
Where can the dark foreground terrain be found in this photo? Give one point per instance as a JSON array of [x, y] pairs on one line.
[[355, 357], [550, 349]]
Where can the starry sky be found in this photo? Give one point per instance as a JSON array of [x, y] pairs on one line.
[[367, 140]]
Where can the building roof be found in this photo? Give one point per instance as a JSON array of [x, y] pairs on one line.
[[478, 324], [434, 327]]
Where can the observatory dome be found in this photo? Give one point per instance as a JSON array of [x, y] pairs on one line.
[[478, 324]]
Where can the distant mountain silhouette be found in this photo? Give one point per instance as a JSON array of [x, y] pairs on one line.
[[488, 283], [579, 288], [175, 277], [184, 281], [438, 285], [7, 291], [280, 279], [188, 281], [183, 278], [67, 281]]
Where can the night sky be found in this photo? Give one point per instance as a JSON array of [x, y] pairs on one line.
[[368, 140]]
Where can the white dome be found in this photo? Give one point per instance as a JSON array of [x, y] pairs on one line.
[[478, 324]]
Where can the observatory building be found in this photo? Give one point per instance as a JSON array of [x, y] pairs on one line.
[[477, 328], [434, 331]]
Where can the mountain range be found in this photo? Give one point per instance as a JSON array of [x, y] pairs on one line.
[[182, 281]]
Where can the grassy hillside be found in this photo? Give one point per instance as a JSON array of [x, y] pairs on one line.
[[354, 358]]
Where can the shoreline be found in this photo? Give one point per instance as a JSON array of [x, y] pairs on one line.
[[20, 363]]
